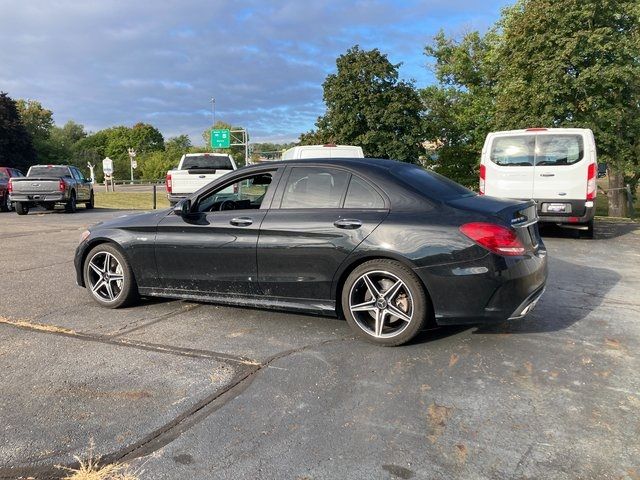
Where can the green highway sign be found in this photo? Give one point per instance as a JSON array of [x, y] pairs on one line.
[[220, 138]]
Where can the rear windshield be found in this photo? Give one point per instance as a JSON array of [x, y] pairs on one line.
[[430, 183], [529, 150], [209, 162], [49, 171]]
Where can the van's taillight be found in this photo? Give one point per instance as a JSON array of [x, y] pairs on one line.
[[483, 174], [168, 183], [495, 238], [10, 187], [591, 181], [61, 185]]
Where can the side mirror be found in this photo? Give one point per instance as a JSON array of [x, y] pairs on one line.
[[183, 208]]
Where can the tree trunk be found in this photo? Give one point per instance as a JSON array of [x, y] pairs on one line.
[[616, 195]]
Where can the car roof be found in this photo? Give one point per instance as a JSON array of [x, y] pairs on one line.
[[355, 163]]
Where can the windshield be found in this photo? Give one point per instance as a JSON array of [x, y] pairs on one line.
[[529, 150], [430, 183], [208, 162], [49, 171]]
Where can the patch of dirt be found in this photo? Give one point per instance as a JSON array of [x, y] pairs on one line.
[[438, 415]]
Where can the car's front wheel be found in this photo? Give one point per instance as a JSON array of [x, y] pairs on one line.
[[109, 277], [384, 302]]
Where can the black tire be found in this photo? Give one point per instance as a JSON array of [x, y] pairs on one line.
[[127, 291], [4, 204], [412, 292], [49, 206], [588, 233], [22, 208], [71, 206], [91, 203]]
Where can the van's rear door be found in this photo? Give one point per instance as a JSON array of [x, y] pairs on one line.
[[509, 161], [561, 166]]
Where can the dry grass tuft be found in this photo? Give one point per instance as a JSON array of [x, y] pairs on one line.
[[91, 469]]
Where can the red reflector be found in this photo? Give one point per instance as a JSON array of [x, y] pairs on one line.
[[495, 238], [169, 183], [574, 219], [536, 129]]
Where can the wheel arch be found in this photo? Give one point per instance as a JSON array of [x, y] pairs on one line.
[[93, 244], [349, 267]]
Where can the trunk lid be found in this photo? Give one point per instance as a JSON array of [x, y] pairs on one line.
[[35, 185], [521, 215]]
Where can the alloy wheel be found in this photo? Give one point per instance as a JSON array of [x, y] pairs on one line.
[[106, 277], [381, 304]]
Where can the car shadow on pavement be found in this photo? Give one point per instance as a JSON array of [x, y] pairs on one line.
[[573, 291]]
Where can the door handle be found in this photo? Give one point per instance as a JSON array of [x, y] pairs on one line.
[[348, 223], [241, 221], [547, 174]]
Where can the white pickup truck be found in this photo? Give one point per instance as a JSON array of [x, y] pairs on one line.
[[195, 171]]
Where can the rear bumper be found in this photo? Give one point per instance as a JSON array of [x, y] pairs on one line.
[[175, 198], [38, 197], [579, 212], [491, 289]]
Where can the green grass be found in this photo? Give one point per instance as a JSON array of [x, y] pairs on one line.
[[130, 200], [602, 201]]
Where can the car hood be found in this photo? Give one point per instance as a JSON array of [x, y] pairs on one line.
[[137, 220]]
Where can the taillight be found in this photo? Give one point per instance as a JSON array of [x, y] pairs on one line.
[[495, 238], [483, 174], [591, 181], [169, 185], [61, 185], [10, 187]]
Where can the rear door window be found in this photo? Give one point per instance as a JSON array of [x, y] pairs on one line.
[[514, 151], [542, 150], [361, 195], [315, 187], [559, 149]]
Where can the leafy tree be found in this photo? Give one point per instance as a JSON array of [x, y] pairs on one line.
[[145, 138], [39, 123], [155, 165], [459, 111], [575, 64], [368, 106], [551, 63], [16, 147]]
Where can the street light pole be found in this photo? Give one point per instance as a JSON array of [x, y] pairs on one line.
[[213, 110]]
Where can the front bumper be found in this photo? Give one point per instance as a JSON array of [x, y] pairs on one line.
[[491, 289]]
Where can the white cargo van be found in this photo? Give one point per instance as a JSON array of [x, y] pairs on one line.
[[556, 167], [329, 150]]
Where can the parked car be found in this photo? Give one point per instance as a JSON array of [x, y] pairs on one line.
[[556, 167], [328, 150], [48, 185], [6, 173], [386, 244], [194, 171]]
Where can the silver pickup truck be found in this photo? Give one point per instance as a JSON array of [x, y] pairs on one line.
[[48, 185]]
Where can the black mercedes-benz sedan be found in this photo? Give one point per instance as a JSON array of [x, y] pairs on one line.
[[388, 245]]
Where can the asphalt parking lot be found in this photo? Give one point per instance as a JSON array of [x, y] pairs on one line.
[[186, 390]]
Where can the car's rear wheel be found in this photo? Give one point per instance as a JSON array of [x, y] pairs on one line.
[[22, 208], [384, 302], [71, 206], [109, 277]]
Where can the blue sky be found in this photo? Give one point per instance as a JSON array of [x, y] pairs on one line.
[[113, 62]]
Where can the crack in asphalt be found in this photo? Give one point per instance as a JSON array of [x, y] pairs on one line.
[[20, 270], [171, 430], [160, 318]]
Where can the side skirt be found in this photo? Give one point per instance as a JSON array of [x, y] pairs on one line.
[[317, 307]]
